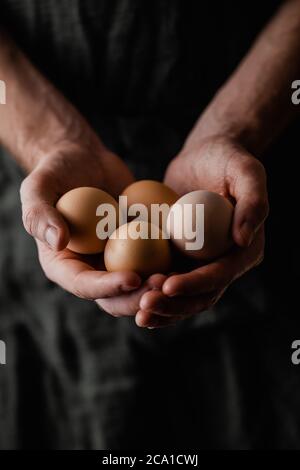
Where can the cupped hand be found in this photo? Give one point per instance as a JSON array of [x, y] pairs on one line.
[[221, 165], [72, 164]]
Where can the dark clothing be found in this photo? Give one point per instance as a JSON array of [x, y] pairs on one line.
[[142, 72]]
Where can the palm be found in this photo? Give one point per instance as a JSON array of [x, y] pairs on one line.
[[71, 166], [222, 166]]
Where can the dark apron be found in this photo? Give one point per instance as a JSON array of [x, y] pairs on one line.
[[142, 72]]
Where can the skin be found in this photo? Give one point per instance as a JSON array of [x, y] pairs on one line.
[[223, 167], [50, 139]]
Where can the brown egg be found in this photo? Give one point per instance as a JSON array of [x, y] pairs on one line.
[[146, 256], [149, 192], [78, 207], [189, 228]]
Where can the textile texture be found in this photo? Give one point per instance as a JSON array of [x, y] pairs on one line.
[[142, 72]]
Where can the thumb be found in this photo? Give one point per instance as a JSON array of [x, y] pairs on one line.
[[40, 218], [252, 207]]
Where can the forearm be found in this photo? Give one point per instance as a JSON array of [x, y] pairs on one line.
[[254, 105], [36, 117]]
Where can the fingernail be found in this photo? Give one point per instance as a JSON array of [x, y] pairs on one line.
[[51, 236], [172, 293], [247, 231], [151, 327], [128, 288]]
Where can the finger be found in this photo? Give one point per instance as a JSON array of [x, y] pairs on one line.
[[145, 319], [40, 218], [249, 188], [157, 303], [156, 281], [128, 304], [123, 304], [202, 280], [218, 274], [70, 272]]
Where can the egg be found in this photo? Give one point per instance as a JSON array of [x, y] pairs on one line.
[[202, 232], [149, 192], [127, 251], [78, 207]]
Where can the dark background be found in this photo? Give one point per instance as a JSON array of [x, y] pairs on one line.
[[75, 378]]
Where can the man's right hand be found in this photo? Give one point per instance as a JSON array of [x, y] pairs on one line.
[[58, 149], [67, 166]]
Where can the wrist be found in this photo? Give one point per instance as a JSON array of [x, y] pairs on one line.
[[37, 120], [63, 131], [224, 118]]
